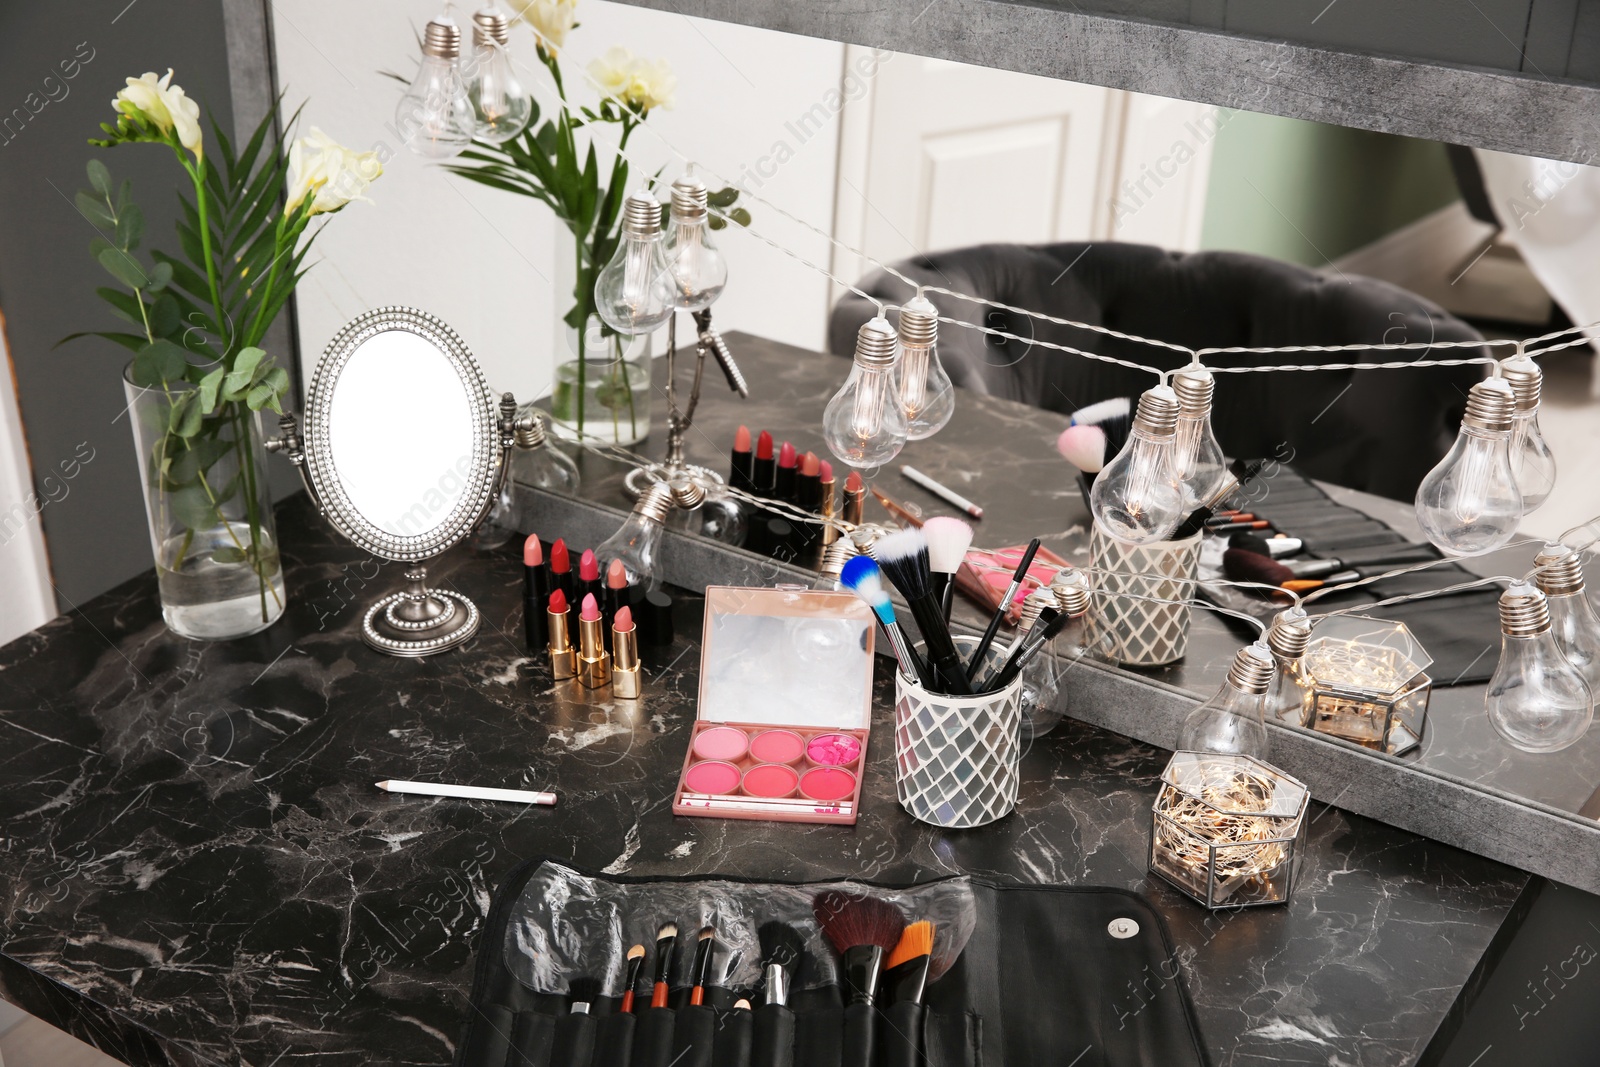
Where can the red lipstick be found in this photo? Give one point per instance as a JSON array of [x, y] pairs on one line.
[[763, 465], [588, 576], [783, 481]]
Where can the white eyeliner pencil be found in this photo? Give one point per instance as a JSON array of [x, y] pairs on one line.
[[469, 792]]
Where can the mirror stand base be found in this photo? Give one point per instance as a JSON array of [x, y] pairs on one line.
[[418, 621]]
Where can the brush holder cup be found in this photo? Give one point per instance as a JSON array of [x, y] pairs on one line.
[[1137, 586], [956, 757]]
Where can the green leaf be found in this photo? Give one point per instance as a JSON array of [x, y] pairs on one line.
[[124, 304], [185, 417], [267, 392], [723, 197], [99, 178], [164, 312], [130, 227], [192, 507], [227, 554], [123, 267], [94, 209], [159, 362], [160, 275], [717, 222], [243, 374], [209, 385], [133, 342], [740, 215], [125, 194]]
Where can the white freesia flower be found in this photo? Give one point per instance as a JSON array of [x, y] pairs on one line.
[[551, 20], [328, 172], [640, 83], [163, 105]]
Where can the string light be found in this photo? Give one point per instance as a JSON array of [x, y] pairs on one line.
[[1136, 498]]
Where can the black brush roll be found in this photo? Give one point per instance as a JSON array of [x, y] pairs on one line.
[[953, 1040], [860, 1033], [900, 1035], [772, 1037], [695, 1036], [731, 1045], [490, 1038], [531, 1040], [613, 1039], [574, 1040], [819, 1042], [652, 1038]]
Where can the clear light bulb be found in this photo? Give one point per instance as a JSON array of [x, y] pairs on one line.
[[536, 460], [638, 540], [1573, 621], [1136, 498], [1469, 503], [864, 424], [635, 292], [434, 116], [1231, 720], [501, 107], [926, 393], [1537, 700], [699, 273], [1197, 460], [1531, 461], [705, 509], [1289, 698]]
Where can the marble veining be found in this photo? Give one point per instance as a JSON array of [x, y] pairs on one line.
[[197, 869]]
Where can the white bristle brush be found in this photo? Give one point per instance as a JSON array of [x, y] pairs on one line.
[[948, 541], [1114, 417], [903, 558], [1084, 447]]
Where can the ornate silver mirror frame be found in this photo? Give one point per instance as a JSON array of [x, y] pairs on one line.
[[416, 621]]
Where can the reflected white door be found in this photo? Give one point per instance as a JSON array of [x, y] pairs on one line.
[[940, 155]]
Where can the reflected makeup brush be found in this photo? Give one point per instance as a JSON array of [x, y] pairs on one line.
[[614, 597], [535, 595], [1043, 632], [630, 980], [741, 467], [561, 576], [862, 577], [1005, 603], [903, 557], [588, 576], [783, 480], [782, 953], [855, 498], [863, 930], [905, 975], [762, 466], [666, 947], [702, 966], [948, 541]]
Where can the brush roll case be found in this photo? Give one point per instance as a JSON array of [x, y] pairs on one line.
[[1019, 974]]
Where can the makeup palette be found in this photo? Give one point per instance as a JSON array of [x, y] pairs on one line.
[[785, 707]]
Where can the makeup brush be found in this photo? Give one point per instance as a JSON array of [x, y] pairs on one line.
[[702, 965], [948, 541], [1047, 614], [1239, 565], [905, 975], [666, 946], [630, 980], [782, 953], [1113, 418], [862, 577], [863, 930], [903, 557], [1005, 603], [585, 993], [1084, 447], [1274, 547], [741, 465], [1042, 634]]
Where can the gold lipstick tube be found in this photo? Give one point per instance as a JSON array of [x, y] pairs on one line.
[[625, 682], [855, 505], [594, 665], [563, 659], [829, 534]]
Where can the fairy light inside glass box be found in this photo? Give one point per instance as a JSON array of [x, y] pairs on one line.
[[1369, 683], [1227, 829]]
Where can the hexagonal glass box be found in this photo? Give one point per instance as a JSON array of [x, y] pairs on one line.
[[1369, 683], [1228, 829]]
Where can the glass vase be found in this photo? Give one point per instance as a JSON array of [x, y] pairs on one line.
[[210, 512], [604, 394]]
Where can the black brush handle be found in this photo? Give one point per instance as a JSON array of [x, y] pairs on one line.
[[1000, 613], [1037, 639], [942, 654]]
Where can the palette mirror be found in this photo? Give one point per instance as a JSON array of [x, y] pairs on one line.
[[403, 451]]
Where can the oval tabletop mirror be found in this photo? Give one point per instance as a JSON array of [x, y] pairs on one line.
[[403, 452]]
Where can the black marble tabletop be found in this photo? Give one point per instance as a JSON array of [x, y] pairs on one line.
[[197, 868]]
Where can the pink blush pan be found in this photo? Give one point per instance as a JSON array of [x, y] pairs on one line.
[[834, 750], [777, 746], [828, 783], [771, 780], [721, 743], [712, 777]]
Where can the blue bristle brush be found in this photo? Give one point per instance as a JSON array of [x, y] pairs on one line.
[[863, 578]]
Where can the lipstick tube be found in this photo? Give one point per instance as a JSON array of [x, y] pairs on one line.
[[594, 666], [829, 534], [563, 658], [855, 498], [625, 682]]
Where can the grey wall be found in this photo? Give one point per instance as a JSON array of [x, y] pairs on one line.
[[71, 397]]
